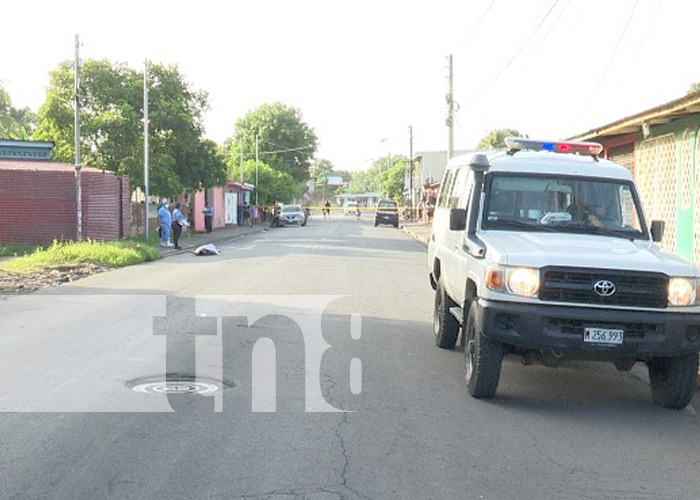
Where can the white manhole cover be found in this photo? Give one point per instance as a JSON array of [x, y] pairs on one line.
[[177, 385]]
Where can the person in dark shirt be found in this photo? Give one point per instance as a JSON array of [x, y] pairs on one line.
[[208, 217]]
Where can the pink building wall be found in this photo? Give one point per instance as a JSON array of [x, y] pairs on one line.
[[217, 201]]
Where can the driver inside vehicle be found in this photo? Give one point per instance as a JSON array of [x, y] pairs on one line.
[[595, 214]]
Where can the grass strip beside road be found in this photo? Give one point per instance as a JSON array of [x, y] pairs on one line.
[[109, 254], [16, 250]]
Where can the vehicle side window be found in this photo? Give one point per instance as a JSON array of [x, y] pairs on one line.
[[457, 192], [445, 188]]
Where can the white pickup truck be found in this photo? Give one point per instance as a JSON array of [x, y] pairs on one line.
[[543, 251]]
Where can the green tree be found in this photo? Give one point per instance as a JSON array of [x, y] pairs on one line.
[[386, 176], [14, 123], [285, 141], [495, 139], [111, 125], [694, 87], [319, 172], [272, 185], [392, 179]]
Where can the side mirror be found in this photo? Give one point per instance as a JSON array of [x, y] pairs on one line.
[[458, 219], [657, 230]]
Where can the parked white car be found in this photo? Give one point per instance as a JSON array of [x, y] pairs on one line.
[[350, 208]]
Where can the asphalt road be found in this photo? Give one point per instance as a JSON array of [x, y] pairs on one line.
[[349, 399]]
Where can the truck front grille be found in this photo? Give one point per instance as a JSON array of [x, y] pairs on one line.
[[578, 285]]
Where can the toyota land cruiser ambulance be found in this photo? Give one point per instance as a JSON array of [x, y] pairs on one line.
[[543, 251]]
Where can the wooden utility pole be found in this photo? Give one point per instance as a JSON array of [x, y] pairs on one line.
[[450, 110], [145, 146]]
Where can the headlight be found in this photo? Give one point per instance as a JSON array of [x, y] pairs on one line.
[[682, 292], [521, 281]]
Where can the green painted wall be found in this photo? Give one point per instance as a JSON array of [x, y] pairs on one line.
[[684, 215]]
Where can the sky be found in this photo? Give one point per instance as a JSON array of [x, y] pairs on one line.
[[361, 72]]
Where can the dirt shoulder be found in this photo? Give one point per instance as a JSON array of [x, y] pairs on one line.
[[23, 283]]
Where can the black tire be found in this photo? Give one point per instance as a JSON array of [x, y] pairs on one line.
[[673, 380], [376, 223], [483, 359], [445, 326]]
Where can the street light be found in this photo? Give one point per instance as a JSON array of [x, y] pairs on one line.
[[388, 152], [388, 162]]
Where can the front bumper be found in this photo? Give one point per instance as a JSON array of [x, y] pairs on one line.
[[560, 328], [289, 221]]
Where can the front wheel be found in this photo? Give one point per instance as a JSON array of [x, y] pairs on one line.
[[673, 380], [445, 326], [483, 359]]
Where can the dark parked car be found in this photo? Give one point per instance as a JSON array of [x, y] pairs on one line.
[[387, 213]]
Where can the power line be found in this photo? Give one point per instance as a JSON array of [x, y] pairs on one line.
[[607, 66], [554, 24], [517, 53], [476, 26], [288, 150], [652, 23]]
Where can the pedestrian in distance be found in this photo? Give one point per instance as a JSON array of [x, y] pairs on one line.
[[246, 215], [208, 217], [160, 230], [179, 221], [164, 222], [327, 209]]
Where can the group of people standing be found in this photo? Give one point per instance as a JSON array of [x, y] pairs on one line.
[[252, 214], [171, 222]]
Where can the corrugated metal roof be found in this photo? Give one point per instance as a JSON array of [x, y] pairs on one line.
[[665, 113]]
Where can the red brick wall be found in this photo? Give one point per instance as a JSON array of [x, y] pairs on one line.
[[102, 218], [37, 206]]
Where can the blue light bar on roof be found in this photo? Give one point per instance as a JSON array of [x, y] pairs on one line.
[[583, 148]]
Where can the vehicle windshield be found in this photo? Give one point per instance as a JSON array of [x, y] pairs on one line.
[[291, 208], [387, 204], [550, 203]]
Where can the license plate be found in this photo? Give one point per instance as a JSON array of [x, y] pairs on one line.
[[603, 336]]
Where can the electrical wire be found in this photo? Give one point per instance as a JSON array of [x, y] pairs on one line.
[[652, 23], [476, 26], [517, 54], [554, 24], [607, 66]]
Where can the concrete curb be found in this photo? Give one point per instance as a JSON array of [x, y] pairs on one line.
[[419, 232]]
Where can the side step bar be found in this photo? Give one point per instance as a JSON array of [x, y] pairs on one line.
[[458, 313]]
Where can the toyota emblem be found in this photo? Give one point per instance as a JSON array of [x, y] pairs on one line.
[[604, 288]]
